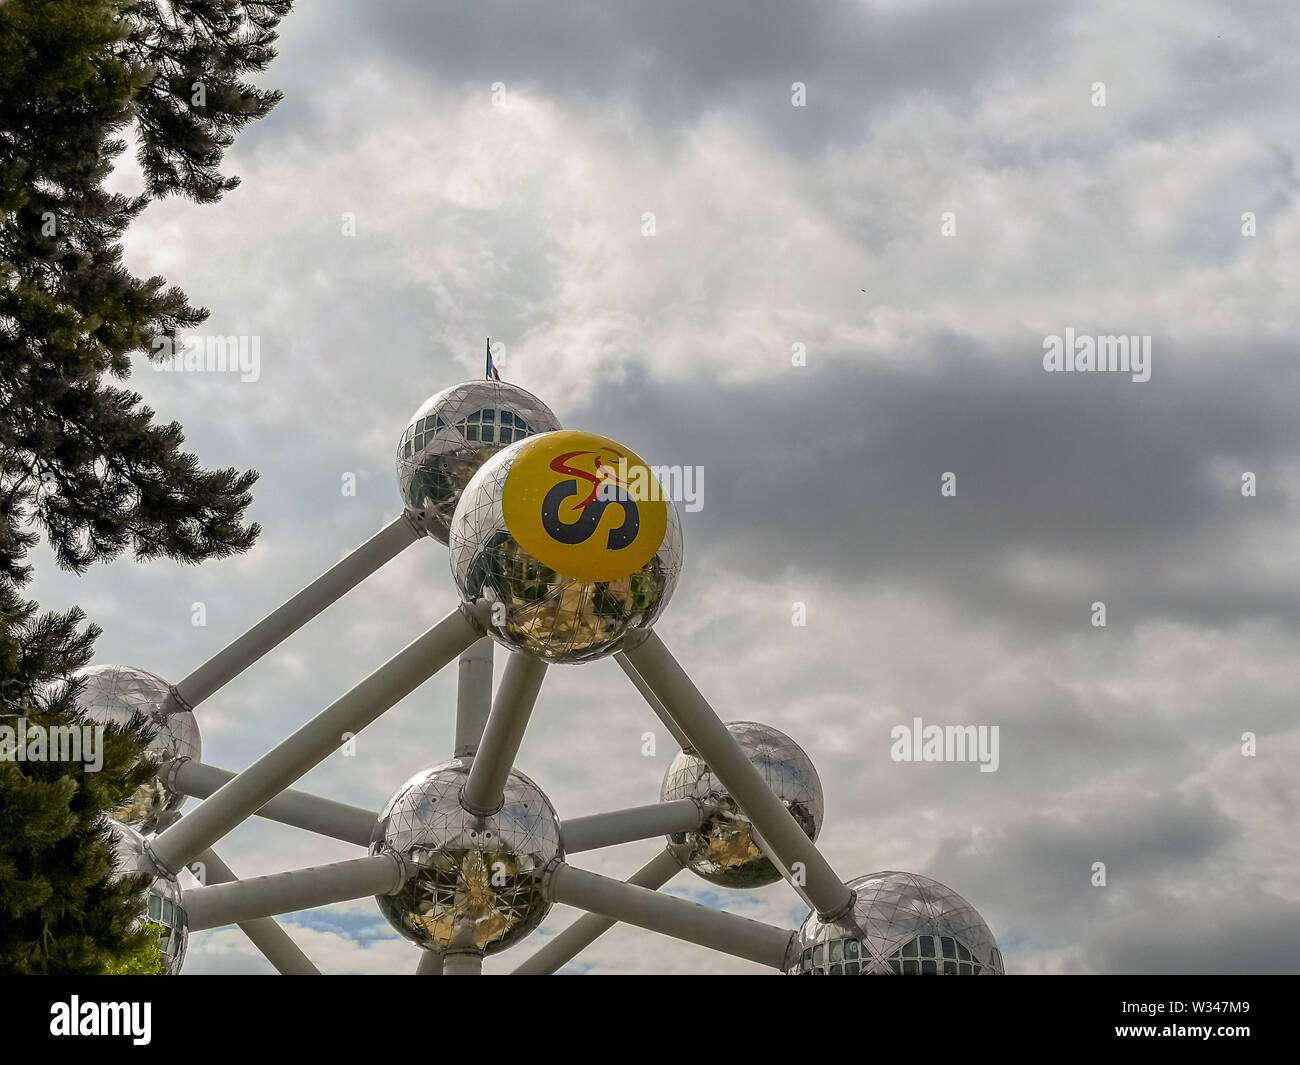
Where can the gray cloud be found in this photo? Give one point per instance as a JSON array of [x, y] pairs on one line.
[[1132, 488], [674, 62], [822, 482]]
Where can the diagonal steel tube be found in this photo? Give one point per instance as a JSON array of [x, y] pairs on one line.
[[337, 820], [265, 933], [564, 947], [665, 718], [292, 615], [762, 943], [298, 889], [786, 844], [252, 789], [626, 826]]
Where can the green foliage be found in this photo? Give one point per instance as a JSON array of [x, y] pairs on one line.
[[60, 910], [147, 960], [81, 458]]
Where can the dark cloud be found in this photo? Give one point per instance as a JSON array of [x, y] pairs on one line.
[[673, 62], [834, 471], [1240, 933], [1033, 880]]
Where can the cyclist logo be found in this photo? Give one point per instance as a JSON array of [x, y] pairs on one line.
[[567, 505], [592, 508]]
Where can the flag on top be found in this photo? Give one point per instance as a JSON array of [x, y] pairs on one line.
[[491, 372]]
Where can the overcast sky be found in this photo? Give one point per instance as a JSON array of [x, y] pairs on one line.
[[777, 225]]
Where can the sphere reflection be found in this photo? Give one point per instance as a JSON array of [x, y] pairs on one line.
[[478, 880], [900, 923], [723, 849]]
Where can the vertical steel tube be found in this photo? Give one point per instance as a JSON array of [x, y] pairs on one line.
[[462, 963], [473, 696], [503, 734]]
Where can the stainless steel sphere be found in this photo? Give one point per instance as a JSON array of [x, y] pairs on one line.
[[112, 695], [478, 880], [451, 436], [899, 923], [723, 849], [162, 907], [576, 563]]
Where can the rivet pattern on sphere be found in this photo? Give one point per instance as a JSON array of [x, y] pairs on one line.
[[112, 695], [900, 923], [452, 435], [537, 609], [162, 907], [723, 850], [477, 881]]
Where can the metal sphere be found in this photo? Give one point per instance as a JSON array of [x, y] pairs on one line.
[[477, 881], [451, 436], [112, 695], [576, 563], [899, 923], [723, 850], [162, 907]]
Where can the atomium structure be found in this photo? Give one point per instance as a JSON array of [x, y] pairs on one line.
[[723, 849], [113, 695], [563, 549], [163, 909]]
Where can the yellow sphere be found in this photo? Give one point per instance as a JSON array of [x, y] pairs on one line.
[[572, 540]]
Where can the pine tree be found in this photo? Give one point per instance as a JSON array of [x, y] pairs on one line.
[[81, 458], [59, 910]]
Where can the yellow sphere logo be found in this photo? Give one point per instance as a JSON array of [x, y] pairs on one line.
[[585, 506]]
